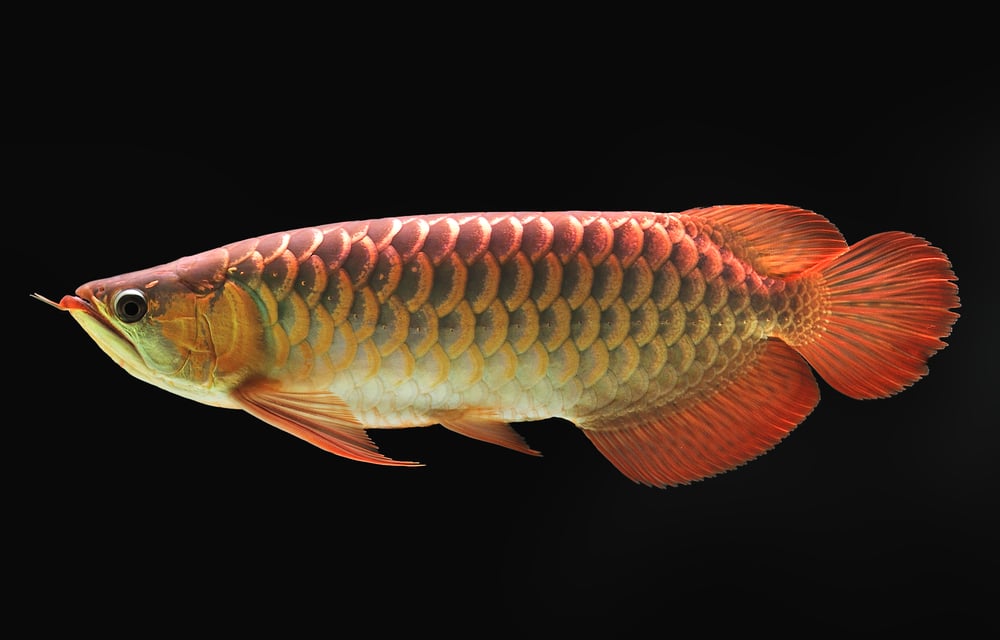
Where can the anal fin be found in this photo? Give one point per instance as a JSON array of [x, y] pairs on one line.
[[485, 427], [319, 418], [714, 431]]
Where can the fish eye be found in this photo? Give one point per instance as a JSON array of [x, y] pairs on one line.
[[130, 305]]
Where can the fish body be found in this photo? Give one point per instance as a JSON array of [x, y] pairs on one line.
[[680, 343]]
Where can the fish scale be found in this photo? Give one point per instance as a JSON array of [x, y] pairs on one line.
[[580, 305], [680, 343]]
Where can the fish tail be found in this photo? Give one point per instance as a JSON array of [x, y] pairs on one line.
[[882, 309]]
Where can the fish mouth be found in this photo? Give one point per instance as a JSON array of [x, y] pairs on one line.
[[87, 315], [74, 303]]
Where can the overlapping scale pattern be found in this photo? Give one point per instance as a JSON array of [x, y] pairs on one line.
[[528, 315]]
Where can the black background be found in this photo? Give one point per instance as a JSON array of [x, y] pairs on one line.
[[871, 515]]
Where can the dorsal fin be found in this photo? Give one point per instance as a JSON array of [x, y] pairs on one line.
[[777, 239], [715, 431]]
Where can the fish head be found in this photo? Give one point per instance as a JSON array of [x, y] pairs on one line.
[[182, 326]]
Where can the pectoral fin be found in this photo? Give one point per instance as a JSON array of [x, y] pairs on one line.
[[319, 418]]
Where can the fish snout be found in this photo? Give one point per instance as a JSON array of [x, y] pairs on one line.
[[84, 300], [85, 292]]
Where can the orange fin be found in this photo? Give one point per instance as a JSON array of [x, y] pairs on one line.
[[319, 418], [777, 239], [484, 427], [889, 300], [714, 431]]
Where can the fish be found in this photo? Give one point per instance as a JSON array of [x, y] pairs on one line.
[[682, 344]]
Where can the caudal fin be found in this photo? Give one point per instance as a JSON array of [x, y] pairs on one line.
[[888, 300]]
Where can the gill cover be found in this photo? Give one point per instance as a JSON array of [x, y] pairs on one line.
[[182, 326]]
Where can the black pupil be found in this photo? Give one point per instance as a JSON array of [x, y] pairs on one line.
[[131, 307]]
